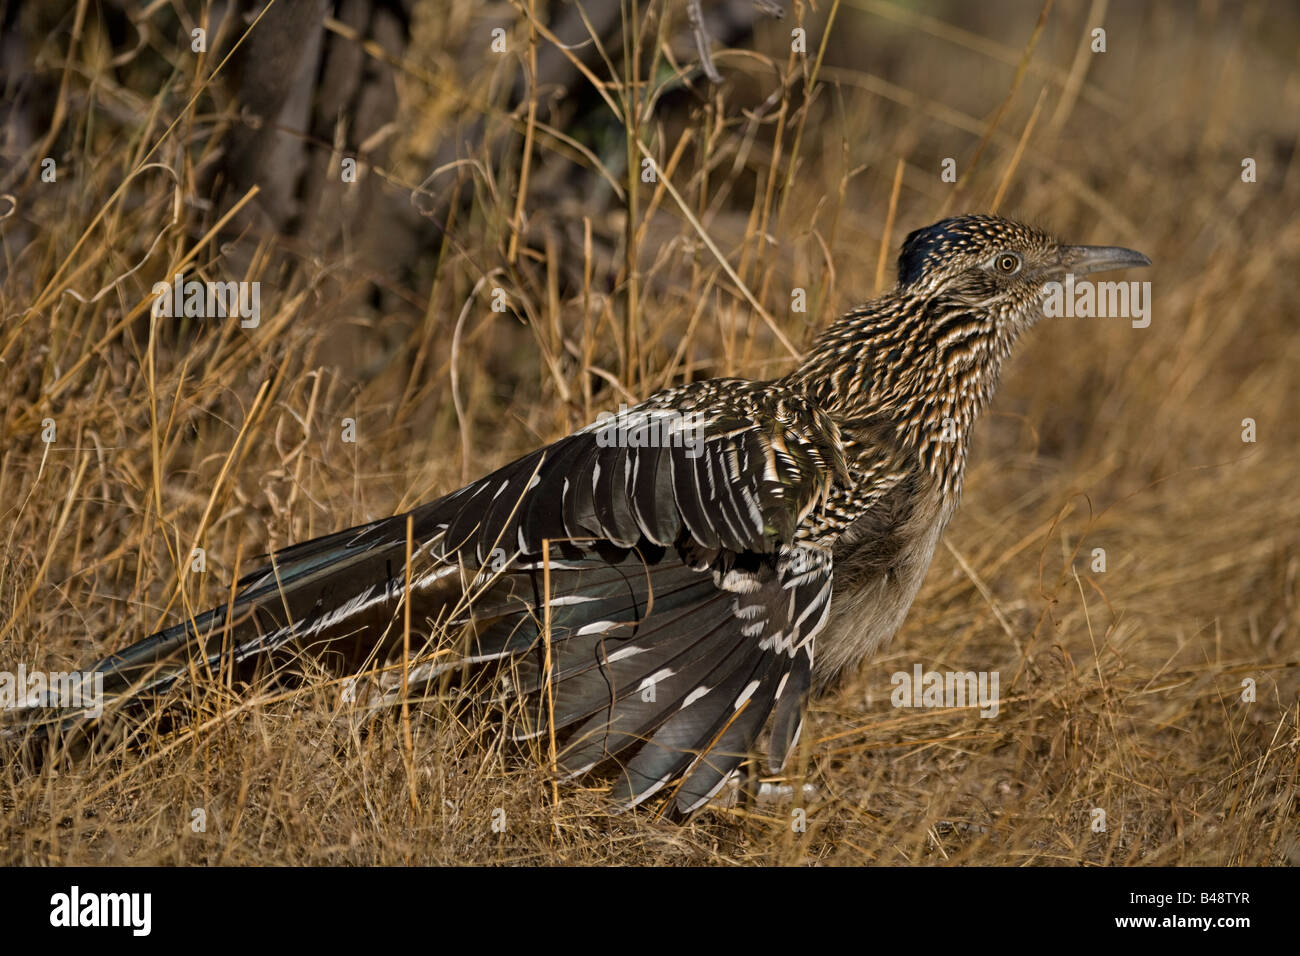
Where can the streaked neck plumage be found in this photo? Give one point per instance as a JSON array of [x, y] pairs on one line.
[[926, 363]]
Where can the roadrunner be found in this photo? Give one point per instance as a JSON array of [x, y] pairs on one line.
[[660, 587]]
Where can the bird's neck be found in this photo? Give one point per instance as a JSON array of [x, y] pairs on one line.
[[925, 366]]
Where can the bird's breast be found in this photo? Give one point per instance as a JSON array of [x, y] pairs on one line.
[[880, 561]]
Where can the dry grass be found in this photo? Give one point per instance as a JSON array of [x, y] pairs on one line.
[[1121, 690]]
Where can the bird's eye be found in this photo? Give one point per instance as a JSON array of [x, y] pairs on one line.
[[1008, 263]]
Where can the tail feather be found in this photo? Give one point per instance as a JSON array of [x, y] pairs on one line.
[[321, 591]]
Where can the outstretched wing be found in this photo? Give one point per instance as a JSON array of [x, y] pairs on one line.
[[661, 547], [659, 559], [726, 465]]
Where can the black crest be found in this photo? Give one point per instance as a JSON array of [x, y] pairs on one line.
[[936, 244]]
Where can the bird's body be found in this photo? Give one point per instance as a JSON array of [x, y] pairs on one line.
[[687, 571]]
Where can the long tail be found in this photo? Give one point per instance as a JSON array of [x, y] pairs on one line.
[[340, 593]]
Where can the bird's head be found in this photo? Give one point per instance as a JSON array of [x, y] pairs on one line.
[[928, 353], [996, 267]]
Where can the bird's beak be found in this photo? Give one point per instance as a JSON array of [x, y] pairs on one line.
[[1082, 260]]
